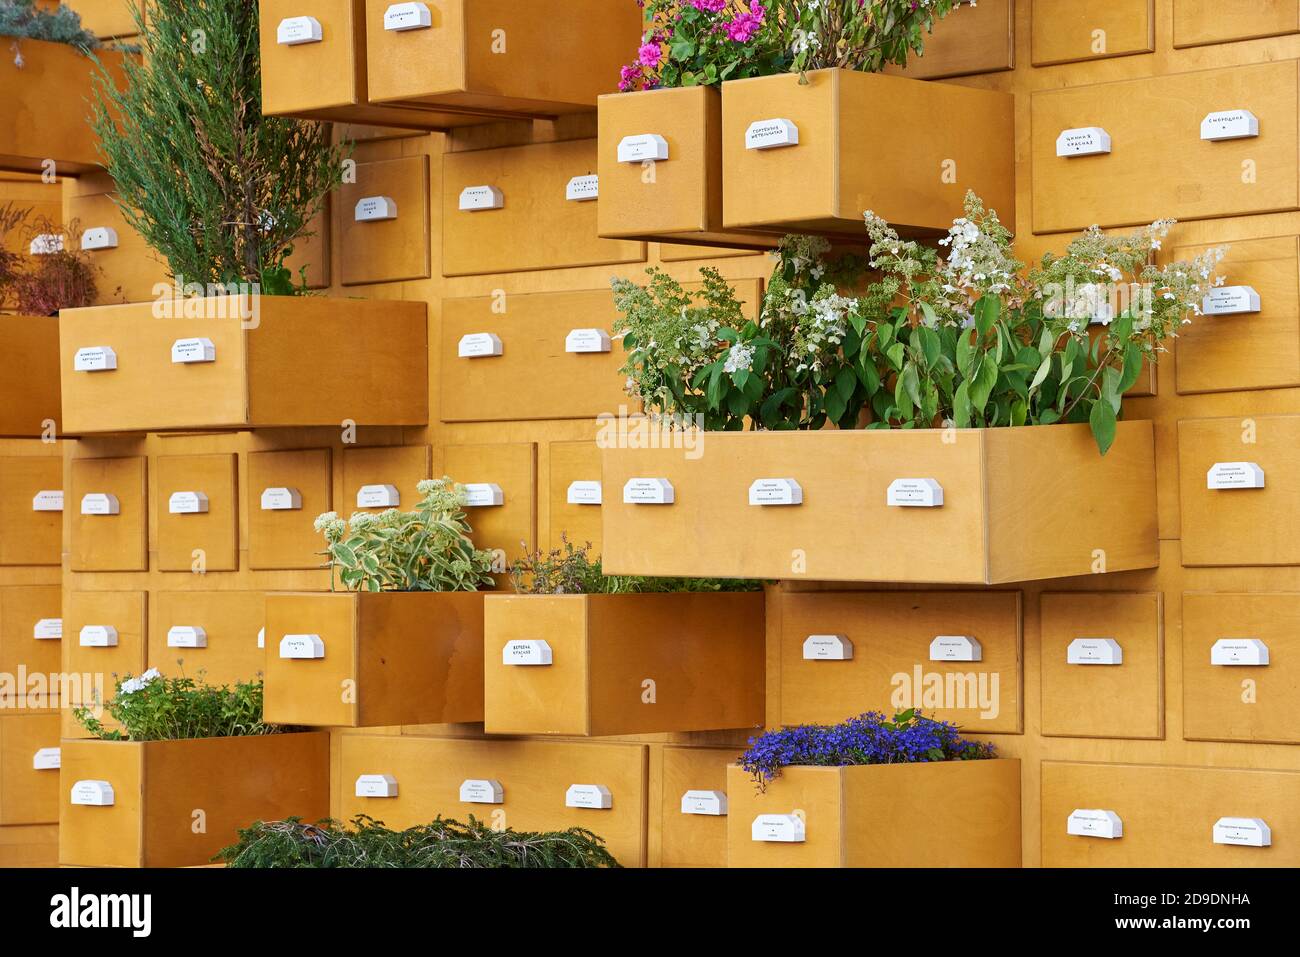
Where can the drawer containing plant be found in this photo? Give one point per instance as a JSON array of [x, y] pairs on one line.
[[969, 396], [578, 652], [190, 765], [402, 643], [873, 792]]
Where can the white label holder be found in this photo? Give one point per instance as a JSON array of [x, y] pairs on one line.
[[375, 209], [1231, 301], [827, 648], [295, 31], [1095, 823], [775, 491], [484, 791], [708, 803], [956, 648], [477, 199], [100, 503], [1084, 141], [302, 648], [778, 829], [646, 147], [771, 134], [1094, 651], [47, 759], [582, 189], [95, 359], [187, 636], [100, 237], [484, 495], [1243, 831], [97, 636], [1245, 652], [376, 786], [48, 500], [648, 491], [378, 496], [480, 345], [193, 351], [533, 653], [400, 17], [585, 493], [915, 493], [1230, 125], [48, 629], [281, 499], [1234, 475], [583, 341], [594, 796], [187, 503], [92, 794]]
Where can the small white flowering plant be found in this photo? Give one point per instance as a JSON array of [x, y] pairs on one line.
[[974, 340], [152, 707], [428, 549], [696, 356]]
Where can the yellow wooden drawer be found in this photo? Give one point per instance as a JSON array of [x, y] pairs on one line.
[[210, 636], [1235, 523], [286, 491], [510, 528], [385, 217], [29, 771], [623, 664], [892, 661], [30, 391], [130, 268], [1159, 166], [535, 777], [996, 484], [310, 260], [692, 820], [1245, 350], [31, 134], [374, 660], [177, 803], [368, 364], [197, 505], [109, 515], [678, 198], [1099, 648], [527, 191], [973, 38], [1167, 815], [836, 170], [575, 494], [31, 623], [536, 334], [31, 515], [1065, 31], [371, 475], [1225, 699], [1201, 22], [942, 814], [88, 617], [490, 57], [322, 79]]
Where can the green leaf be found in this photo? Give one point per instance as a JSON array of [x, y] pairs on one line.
[[716, 387], [1041, 375], [1132, 367], [896, 354], [846, 383], [983, 383], [966, 354], [1103, 424], [987, 311], [931, 347], [912, 383]]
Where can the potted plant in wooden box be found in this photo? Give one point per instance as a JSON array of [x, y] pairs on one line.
[[43, 269], [578, 652], [46, 64], [222, 193], [976, 409], [662, 138], [190, 766], [873, 792], [403, 643]]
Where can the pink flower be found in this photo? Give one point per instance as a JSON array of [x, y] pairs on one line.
[[650, 54], [709, 6]]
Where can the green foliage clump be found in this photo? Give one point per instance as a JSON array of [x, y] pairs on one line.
[[443, 843], [154, 708], [570, 570], [428, 549], [24, 20], [218, 189]]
